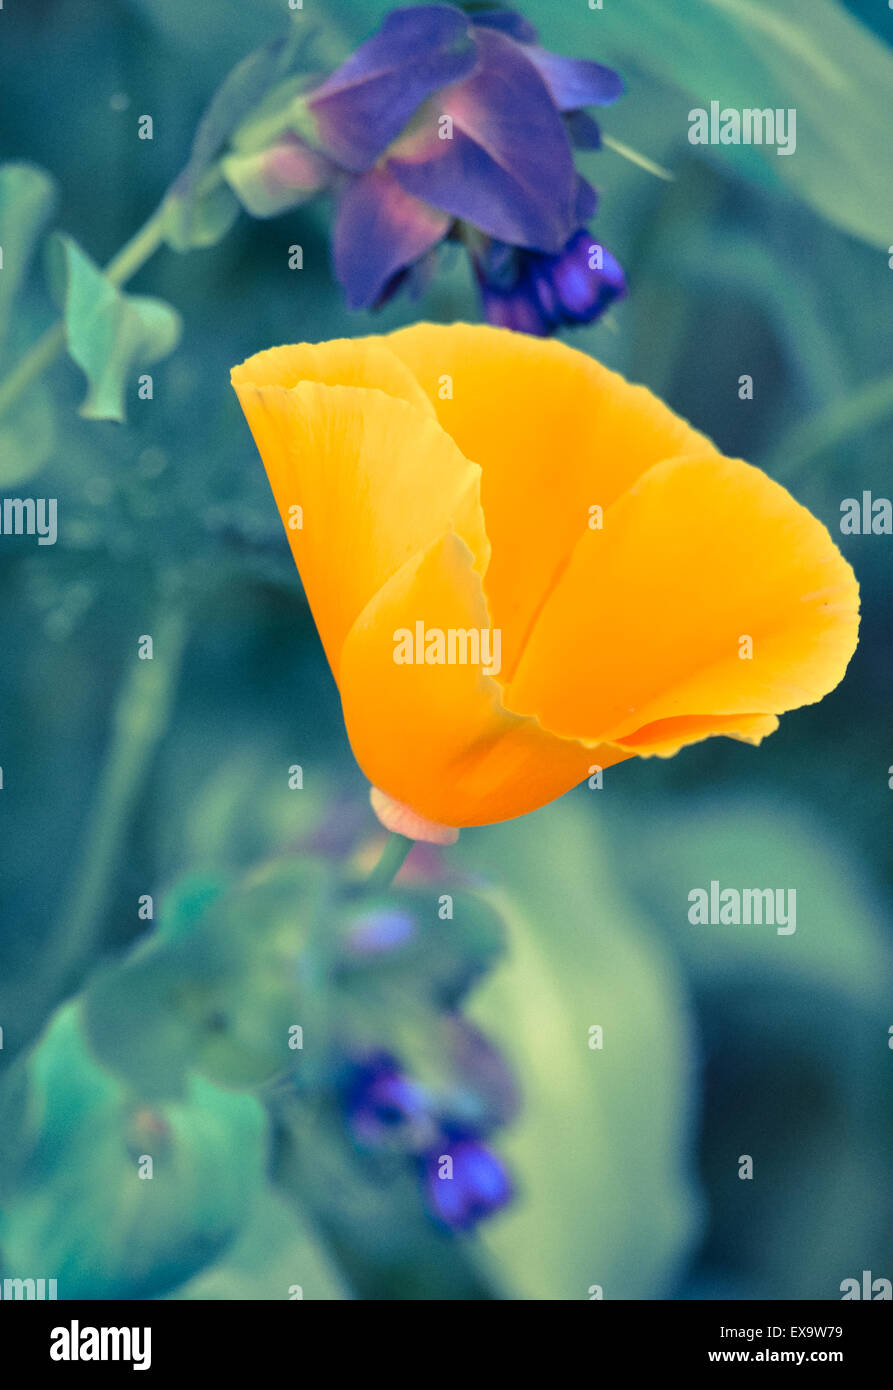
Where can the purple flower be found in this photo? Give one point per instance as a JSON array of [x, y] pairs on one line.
[[465, 1182], [537, 294], [492, 150], [368, 101], [378, 932], [384, 1107], [462, 1180], [453, 126]]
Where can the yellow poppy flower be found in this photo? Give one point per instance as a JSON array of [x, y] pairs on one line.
[[523, 567]]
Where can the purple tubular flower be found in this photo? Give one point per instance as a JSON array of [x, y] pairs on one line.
[[452, 126], [518, 309], [477, 1186], [504, 162], [462, 1180], [366, 103], [538, 294], [384, 1107], [380, 230], [575, 82]]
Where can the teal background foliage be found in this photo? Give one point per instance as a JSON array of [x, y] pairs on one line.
[[124, 1037]]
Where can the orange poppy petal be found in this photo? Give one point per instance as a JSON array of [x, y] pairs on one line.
[[340, 362], [665, 737], [436, 737], [555, 433], [375, 480], [650, 620]]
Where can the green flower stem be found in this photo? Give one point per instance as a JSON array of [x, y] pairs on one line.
[[140, 719], [33, 365], [51, 344], [390, 863], [139, 249]]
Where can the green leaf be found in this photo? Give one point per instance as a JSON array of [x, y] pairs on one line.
[[111, 333], [218, 990], [82, 1213], [807, 54], [599, 1153], [27, 201]]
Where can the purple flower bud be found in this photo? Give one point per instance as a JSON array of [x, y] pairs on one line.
[[586, 279], [278, 178], [385, 1108], [464, 1183], [538, 294], [380, 931]]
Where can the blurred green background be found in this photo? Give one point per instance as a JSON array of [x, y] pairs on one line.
[[120, 778]]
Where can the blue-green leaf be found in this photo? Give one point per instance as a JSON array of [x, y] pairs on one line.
[[124, 1235], [110, 333], [810, 55], [216, 993]]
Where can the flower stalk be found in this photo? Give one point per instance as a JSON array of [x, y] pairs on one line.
[[140, 720], [393, 857]]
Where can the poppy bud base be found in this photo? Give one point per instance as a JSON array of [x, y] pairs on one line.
[[402, 820]]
